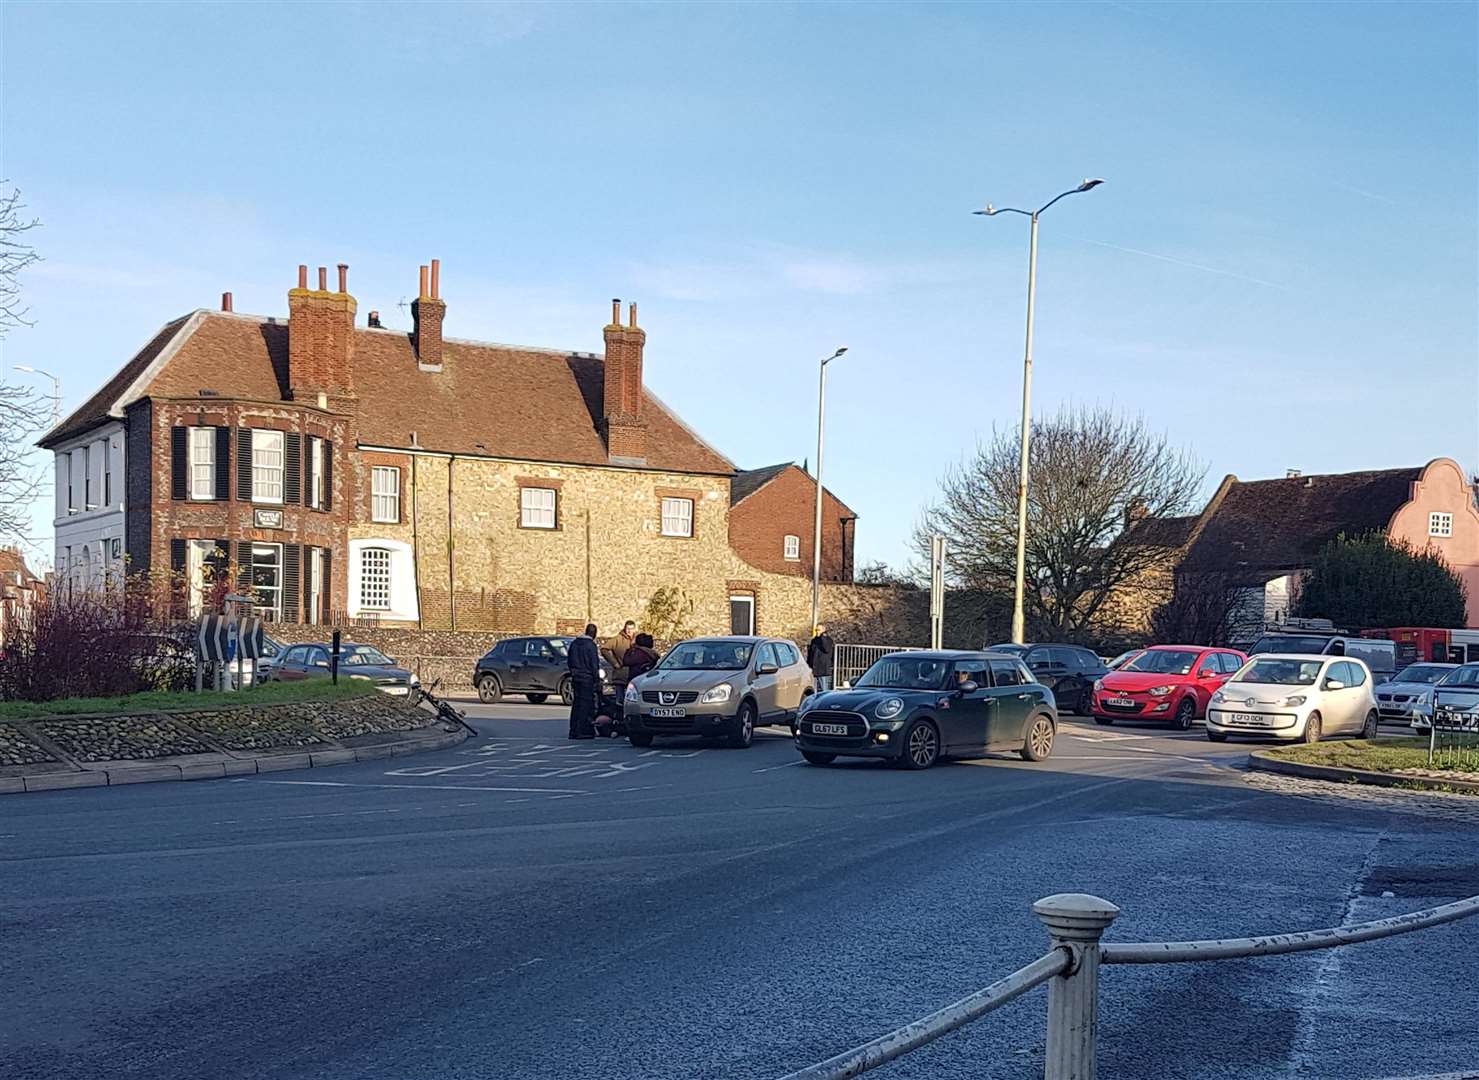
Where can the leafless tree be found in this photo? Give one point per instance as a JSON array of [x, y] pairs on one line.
[[15, 255], [1092, 472], [23, 413], [1204, 609]]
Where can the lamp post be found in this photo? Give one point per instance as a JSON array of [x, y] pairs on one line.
[[816, 538], [1018, 630], [56, 389]]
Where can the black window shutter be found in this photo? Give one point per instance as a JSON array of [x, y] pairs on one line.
[[223, 463], [328, 475], [292, 575], [177, 550], [308, 473], [292, 467], [244, 464], [325, 588], [179, 464], [243, 565]]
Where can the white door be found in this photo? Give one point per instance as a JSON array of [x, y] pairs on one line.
[[195, 563], [315, 585]]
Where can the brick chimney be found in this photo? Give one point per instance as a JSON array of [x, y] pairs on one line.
[[624, 428], [320, 337], [427, 312]]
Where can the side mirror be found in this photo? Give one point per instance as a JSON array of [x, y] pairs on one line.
[[968, 687], [766, 669], [1208, 673], [321, 663], [1334, 684]]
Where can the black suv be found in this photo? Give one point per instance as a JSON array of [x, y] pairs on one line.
[[533, 666], [1068, 671]]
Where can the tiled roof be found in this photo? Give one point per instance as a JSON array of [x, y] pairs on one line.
[[1276, 526], [1167, 532], [748, 481], [13, 562]]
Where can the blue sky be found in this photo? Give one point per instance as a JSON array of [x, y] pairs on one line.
[[1282, 270]]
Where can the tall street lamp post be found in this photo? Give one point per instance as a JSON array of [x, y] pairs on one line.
[[56, 389], [816, 537], [1018, 630]]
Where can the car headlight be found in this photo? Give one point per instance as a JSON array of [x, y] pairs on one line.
[[632, 697], [717, 695], [1160, 691], [1294, 699], [415, 681], [362, 678], [1098, 685], [889, 708], [1423, 700]]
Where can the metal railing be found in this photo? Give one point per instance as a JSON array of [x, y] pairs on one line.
[[1075, 923], [1453, 737], [850, 661]]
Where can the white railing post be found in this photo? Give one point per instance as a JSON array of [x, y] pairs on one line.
[[1075, 921]]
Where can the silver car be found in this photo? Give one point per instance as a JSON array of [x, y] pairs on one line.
[[718, 687]]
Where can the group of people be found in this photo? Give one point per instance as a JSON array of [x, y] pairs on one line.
[[625, 655]]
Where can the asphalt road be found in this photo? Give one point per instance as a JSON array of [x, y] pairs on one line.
[[521, 906]]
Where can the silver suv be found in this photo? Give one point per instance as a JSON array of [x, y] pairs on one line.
[[718, 687]]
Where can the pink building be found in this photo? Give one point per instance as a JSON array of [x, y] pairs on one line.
[[1440, 513]]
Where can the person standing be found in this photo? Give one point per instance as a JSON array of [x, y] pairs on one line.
[[584, 661], [819, 657]]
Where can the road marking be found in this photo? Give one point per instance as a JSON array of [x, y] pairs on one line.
[[773, 768], [435, 787], [1100, 736]]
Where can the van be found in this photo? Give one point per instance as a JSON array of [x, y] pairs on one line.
[[1380, 655]]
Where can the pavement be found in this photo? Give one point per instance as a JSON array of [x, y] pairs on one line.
[[523, 906]]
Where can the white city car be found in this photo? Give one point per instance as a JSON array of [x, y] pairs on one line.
[[1294, 697]]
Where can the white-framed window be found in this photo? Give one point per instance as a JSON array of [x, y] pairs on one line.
[[267, 577], [677, 517], [374, 579], [537, 508], [791, 548], [316, 471], [88, 502], [71, 484], [385, 493], [1440, 524], [266, 466], [107, 473], [203, 463]]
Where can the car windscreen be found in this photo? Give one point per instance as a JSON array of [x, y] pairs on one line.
[[708, 656], [1290, 643], [1162, 662], [1276, 672], [560, 646], [1465, 678], [363, 656], [1421, 673], [904, 672], [1008, 648]]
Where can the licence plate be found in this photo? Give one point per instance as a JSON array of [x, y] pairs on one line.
[[668, 712], [398, 691], [1125, 702], [829, 729], [1243, 719]]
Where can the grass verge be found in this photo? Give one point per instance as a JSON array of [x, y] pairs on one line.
[[1377, 755], [274, 693]]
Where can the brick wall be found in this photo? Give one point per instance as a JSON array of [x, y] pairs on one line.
[[759, 524]]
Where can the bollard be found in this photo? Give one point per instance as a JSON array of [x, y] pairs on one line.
[[1077, 921]]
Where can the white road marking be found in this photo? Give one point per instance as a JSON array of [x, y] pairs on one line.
[[773, 768], [1100, 736], [437, 787]]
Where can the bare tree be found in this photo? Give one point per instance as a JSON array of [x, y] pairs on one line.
[[23, 413], [1093, 472], [15, 255], [1204, 609]]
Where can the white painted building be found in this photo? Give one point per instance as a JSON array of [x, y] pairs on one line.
[[89, 508]]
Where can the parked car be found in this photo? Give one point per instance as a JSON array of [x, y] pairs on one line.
[[1165, 682], [1122, 659], [1379, 655], [533, 666], [1410, 692], [1456, 701], [914, 708], [1069, 671], [718, 687], [258, 670], [1295, 697], [361, 662]]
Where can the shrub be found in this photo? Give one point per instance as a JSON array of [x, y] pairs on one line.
[[1370, 580]]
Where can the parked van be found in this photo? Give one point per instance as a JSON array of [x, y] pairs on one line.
[[1316, 637]]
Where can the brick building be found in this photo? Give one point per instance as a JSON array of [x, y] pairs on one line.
[[418, 480], [772, 520]]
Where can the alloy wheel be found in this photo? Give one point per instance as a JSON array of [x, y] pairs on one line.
[[1040, 738], [924, 746], [567, 691]]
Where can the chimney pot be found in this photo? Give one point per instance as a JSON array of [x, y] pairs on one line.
[[632, 315], [616, 311], [436, 279], [323, 279], [375, 320], [421, 291], [343, 277], [225, 301], [302, 276]]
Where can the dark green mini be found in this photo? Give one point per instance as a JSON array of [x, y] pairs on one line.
[[913, 708]]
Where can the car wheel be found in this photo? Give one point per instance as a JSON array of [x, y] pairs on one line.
[[745, 735], [536, 699], [1039, 741], [1104, 721], [636, 739], [813, 758], [1312, 728], [489, 690], [567, 690], [1217, 736], [1368, 729], [1186, 712], [921, 745]]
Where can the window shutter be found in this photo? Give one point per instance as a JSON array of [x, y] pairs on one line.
[[244, 464], [326, 591], [292, 575], [308, 473], [177, 550], [223, 463], [244, 560], [179, 461], [292, 467], [328, 475]]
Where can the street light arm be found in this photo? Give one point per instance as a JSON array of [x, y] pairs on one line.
[[1087, 185], [992, 211]]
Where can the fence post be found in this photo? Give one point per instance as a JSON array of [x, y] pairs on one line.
[[1075, 920]]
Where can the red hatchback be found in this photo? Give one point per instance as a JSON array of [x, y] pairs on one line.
[[1165, 682]]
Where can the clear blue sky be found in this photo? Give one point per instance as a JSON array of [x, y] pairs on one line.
[[1281, 272]]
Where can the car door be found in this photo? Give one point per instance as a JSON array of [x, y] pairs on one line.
[[795, 676], [1045, 666], [545, 666], [316, 663], [1207, 676], [1335, 700], [1014, 703], [765, 681], [965, 719], [290, 667], [1359, 688]]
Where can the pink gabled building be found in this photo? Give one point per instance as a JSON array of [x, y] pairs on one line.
[[1440, 513]]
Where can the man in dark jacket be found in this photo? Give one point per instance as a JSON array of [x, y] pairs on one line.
[[584, 661], [819, 658]]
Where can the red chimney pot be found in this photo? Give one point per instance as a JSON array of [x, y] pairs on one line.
[[323, 279], [436, 278], [422, 291], [343, 277], [225, 301], [302, 276]]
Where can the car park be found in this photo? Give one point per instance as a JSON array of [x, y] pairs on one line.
[[1409, 693], [1069, 671], [1295, 697], [536, 667], [913, 708], [718, 687], [1456, 701], [358, 662], [1168, 683]]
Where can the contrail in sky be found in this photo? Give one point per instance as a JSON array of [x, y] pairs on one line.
[[1192, 265]]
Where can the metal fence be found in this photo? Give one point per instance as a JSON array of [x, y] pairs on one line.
[[1453, 739], [850, 661], [1075, 923]]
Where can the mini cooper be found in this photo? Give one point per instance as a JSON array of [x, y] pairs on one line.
[[913, 708]]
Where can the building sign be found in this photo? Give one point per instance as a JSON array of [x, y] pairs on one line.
[[267, 519]]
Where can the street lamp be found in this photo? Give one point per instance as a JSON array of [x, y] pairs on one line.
[[56, 389], [1018, 631], [816, 538]]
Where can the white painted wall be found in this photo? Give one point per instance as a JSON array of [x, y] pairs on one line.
[[89, 539], [403, 606]]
